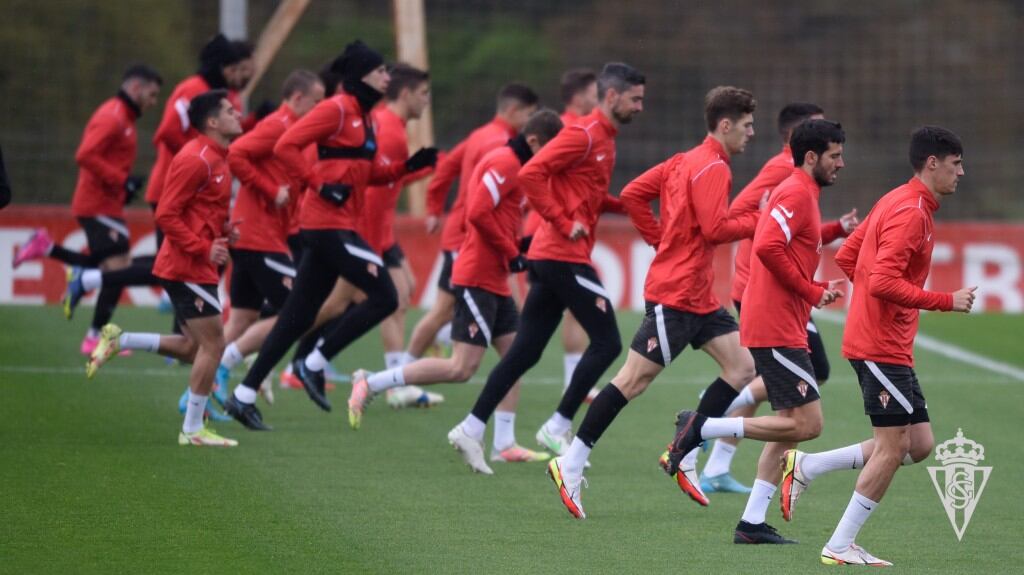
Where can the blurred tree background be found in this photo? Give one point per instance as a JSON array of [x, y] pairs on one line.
[[881, 67]]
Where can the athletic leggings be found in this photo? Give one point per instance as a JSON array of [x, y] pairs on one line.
[[555, 286], [328, 254]]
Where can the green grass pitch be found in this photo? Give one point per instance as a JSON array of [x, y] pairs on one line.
[[93, 481]]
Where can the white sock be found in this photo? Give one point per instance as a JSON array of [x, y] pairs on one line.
[[444, 335], [393, 359], [143, 341], [408, 358], [689, 461], [569, 363], [386, 379], [92, 332], [504, 430], [557, 424], [316, 361], [575, 458], [758, 502], [857, 512], [92, 279], [232, 356], [745, 398], [245, 394], [474, 427], [716, 427], [849, 457], [194, 412], [720, 459]]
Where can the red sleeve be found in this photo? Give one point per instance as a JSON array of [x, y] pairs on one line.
[[709, 193], [636, 199], [91, 154], [846, 257], [484, 197], [902, 235], [382, 174], [831, 232], [184, 179], [174, 126], [253, 147], [770, 244], [319, 123], [444, 176], [567, 148], [612, 205]]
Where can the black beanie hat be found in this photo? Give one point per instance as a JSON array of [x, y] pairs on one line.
[[357, 61], [219, 52]]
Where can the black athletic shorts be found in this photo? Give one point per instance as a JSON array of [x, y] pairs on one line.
[[524, 244], [788, 376], [296, 246], [394, 255], [191, 300], [665, 332], [892, 394], [819, 359], [444, 281], [106, 236], [482, 316], [259, 278]]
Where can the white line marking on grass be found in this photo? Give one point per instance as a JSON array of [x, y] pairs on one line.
[[944, 349]]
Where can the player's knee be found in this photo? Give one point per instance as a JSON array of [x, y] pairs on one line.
[[810, 428], [741, 373], [921, 449], [608, 345], [386, 302]]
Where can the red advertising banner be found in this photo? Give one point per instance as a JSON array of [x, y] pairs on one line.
[[987, 255]]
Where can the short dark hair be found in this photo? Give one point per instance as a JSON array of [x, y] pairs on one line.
[[930, 141], [620, 76], [331, 79], [242, 49], [545, 124], [792, 114], [144, 73], [727, 103], [204, 106], [301, 81], [814, 136], [517, 93], [404, 77], [575, 81]]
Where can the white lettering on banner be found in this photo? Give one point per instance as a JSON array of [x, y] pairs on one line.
[[28, 271], [144, 295], [429, 294], [1003, 285], [640, 257], [609, 269]]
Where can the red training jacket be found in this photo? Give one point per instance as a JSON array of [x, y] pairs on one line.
[[494, 208], [263, 226], [460, 163], [787, 246], [568, 181], [104, 159], [192, 212], [888, 258], [173, 132], [338, 121], [694, 191]]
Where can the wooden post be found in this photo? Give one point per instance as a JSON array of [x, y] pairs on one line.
[[272, 37], [411, 43]]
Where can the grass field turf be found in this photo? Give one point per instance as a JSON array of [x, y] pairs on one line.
[[92, 480]]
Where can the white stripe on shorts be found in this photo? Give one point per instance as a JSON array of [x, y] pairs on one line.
[[888, 385], [796, 369], [364, 254], [659, 319], [594, 287], [279, 267], [479, 317], [811, 327], [114, 225], [210, 299]]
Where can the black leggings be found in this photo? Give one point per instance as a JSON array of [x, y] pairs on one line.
[[328, 255], [555, 286], [139, 273]]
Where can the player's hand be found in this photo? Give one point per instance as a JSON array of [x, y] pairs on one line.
[[219, 251], [849, 221], [232, 231], [517, 264], [579, 230], [132, 186], [963, 299], [282, 196], [421, 159], [433, 224], [830, 295], [763, 202]]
